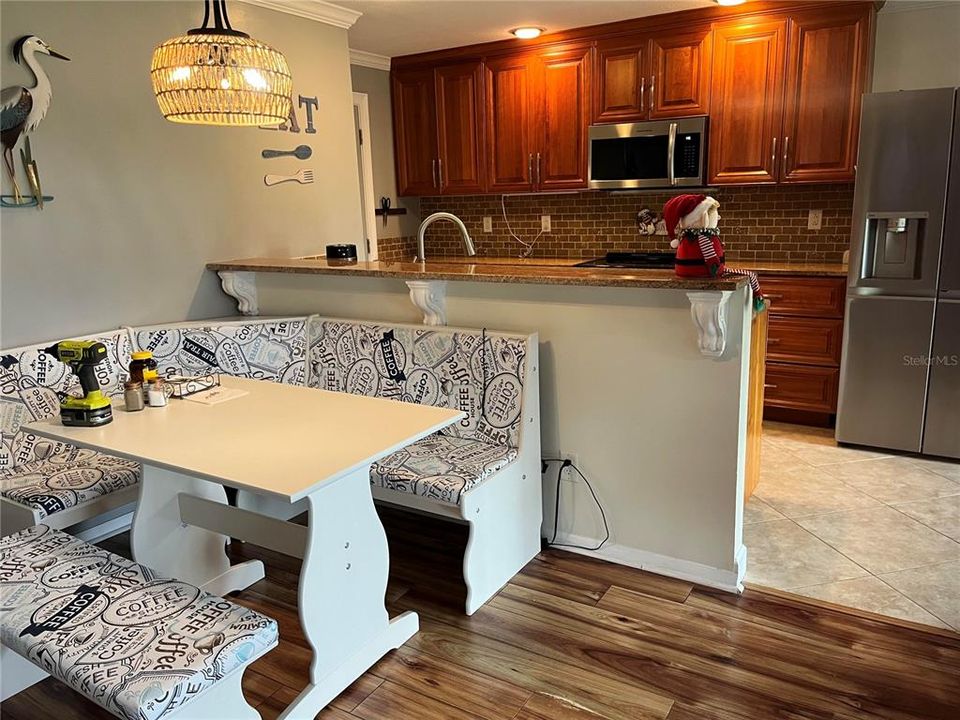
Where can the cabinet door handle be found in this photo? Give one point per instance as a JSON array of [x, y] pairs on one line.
[[653, 90], [433, 165], [768, 385], [768, 296], [530, 168], [773, 341], [440, 171], [773, 156], [786, 151], [538, 168], [643, 85]]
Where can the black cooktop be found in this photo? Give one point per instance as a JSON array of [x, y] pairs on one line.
[[632, 260]]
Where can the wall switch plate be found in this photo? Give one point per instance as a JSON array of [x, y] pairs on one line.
[[815, 220], [487, 223], [545, 223]]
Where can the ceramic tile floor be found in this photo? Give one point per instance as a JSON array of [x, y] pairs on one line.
[[863, 529]]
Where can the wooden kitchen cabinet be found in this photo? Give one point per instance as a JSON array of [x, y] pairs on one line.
[[537, 119], [826, 77], [651, 77], [415, 132], [561, 160], [438, 129], [804, 341], [460, 140], [786, 96], [680, 69], [511, 101], [747, 101], [780, 82]]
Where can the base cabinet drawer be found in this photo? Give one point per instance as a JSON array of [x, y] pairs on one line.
[[810, 341], [801, 387], [810, 296]]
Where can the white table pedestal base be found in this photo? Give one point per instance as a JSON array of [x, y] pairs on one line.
[[161, 540], [343, 584]]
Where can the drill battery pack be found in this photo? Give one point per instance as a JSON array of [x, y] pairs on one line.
[[89, 411]]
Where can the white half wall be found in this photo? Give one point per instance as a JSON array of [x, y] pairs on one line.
[[141, 203], [657, 428]]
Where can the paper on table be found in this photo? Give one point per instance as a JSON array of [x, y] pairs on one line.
[[215, 396]]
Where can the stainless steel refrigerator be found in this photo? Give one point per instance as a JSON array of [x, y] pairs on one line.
[[900, 373]]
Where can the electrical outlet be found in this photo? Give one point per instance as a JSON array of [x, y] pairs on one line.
[[567, 473], [487, 224], [545, 223], [815, 220]]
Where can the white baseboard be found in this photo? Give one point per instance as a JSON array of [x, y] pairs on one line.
[[729, 580]]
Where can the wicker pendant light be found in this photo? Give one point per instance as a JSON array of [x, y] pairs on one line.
[[220, 76]]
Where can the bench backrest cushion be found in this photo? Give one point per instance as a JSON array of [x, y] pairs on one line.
[[138, 645], [476, 371], [30, 381], [268, 349]]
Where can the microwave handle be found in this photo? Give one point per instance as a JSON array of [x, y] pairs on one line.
[[671, 148]]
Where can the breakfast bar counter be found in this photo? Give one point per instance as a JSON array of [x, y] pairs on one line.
[[518, 271]]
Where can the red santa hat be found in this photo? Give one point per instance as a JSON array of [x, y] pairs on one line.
[[678, 208]]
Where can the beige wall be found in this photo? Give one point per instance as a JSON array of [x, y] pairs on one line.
[[376, 84], [917, 48], [141, 203]]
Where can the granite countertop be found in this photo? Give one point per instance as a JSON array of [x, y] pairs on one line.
[[533, 271]]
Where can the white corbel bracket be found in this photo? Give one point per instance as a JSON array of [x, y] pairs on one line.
[[709, 313], [242, 286], [430, 297]]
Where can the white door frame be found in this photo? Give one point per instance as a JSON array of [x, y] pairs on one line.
[[368, 200]]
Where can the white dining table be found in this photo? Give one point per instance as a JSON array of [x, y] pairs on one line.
[[291, 444]]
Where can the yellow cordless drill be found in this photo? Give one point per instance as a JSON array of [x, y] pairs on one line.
[[82, 356]]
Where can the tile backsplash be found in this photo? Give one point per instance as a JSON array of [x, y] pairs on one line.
[[757, 223]]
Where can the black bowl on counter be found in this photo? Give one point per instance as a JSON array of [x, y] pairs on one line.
[[342, 254]]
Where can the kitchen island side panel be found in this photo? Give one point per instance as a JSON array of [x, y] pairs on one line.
[[657, 428]]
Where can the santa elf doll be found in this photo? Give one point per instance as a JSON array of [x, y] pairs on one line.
[[692, 222]]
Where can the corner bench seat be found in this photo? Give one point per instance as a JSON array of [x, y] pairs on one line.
[[441, 467], [138, 645], [66, 480]]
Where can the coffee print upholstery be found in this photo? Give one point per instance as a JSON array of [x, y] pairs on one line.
[[440, 467], [469, 370], [67, 479], [260, 349], [30, 384], [138, 645]]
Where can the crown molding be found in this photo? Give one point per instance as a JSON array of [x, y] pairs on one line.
[[317, 10], [369, 59]]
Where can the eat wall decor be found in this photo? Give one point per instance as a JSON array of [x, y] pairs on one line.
[[309, 104]]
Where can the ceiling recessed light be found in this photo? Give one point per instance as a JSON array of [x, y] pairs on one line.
[[527, 33], [730, 2]]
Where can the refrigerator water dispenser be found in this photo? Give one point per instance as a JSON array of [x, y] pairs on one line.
[[893, 245]]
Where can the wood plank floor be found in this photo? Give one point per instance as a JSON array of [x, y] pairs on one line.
[[572, 638]]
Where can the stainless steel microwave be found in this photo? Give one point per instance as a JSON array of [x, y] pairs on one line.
[[654, 154]]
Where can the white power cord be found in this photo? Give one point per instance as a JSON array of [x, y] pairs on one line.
[[528, 246]]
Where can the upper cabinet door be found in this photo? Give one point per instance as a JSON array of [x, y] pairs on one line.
[[460, 160], [415, 132], [679, 82], [622, 80], [826, 73], [747, 104], [561, 155], [511, 102]]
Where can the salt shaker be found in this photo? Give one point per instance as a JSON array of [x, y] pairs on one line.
[[156, 392], [133, 395]]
